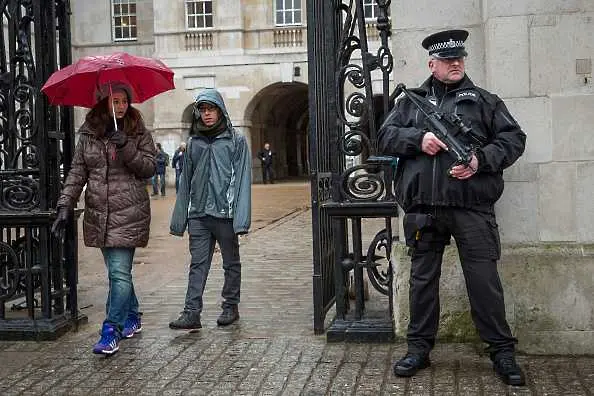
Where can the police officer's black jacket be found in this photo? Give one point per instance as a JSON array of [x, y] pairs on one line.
[[422, 179]]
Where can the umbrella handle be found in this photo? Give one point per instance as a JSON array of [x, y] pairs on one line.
[[115, 123]]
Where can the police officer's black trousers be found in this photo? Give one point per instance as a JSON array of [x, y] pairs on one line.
[[477, 239], [267, 174]]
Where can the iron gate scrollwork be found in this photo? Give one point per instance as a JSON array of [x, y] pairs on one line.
[[345, 115], [37, 273]]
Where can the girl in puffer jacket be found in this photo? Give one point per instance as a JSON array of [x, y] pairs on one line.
[[113, 162]]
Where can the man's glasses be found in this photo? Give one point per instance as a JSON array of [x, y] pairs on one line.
[[207, 109]]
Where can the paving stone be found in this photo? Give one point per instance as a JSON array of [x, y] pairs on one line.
[[270, 350]]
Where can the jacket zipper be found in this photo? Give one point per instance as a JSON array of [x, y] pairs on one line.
[[434, 167], [105, 142], [434, 179]]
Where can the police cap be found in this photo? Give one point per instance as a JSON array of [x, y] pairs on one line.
[[446, 44]]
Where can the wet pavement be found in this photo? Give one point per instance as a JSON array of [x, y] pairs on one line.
[[271, 350]]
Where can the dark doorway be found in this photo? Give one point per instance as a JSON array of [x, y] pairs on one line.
[[279, 116]]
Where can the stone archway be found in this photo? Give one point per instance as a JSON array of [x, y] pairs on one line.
[[279, 115], [187, 115]]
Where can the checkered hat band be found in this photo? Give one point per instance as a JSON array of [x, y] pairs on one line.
[[446, 45]]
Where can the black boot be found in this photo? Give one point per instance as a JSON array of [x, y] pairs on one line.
[[410, 364], [229, 315], [187, 321], [508, 370]]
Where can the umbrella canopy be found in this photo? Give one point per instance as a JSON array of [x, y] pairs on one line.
[[79, 84]]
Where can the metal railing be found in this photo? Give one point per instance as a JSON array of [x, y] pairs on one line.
[[345, 126], [38, 274]]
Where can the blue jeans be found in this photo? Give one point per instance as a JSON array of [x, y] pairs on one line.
[[121, 298], [159, 181]]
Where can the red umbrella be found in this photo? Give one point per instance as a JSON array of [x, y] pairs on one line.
[[78, 84]]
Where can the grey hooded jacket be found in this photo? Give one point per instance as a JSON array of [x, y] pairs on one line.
[[216, 177]]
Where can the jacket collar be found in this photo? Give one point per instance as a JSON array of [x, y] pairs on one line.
[[425, 88], [225, 134]]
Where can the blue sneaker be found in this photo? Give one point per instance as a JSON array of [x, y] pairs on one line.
[[132, 326], [108, 343]]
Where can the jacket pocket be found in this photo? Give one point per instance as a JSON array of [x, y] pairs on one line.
[[486, 188]]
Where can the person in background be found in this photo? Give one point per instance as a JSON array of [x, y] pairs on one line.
[[265, 157], [159, 177], [113, 161], [177, 162], [214, 204]]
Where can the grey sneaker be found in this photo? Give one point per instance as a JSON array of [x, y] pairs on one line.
[[187, 320], [229, 315]]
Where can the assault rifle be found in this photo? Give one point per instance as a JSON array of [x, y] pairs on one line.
[[445, 126]]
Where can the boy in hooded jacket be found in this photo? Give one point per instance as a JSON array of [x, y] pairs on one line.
[[214, 204]]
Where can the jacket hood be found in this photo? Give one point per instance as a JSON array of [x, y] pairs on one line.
[[213, 96]]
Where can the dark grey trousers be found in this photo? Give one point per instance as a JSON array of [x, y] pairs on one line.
[[477, 239], [204, 232]]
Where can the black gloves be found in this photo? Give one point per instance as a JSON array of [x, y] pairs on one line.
[[119, 138], [59, 226]]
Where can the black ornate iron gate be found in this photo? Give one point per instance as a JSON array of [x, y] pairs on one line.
[[344, 117], [38, 274]]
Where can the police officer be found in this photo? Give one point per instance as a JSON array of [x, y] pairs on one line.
[[442, 199]]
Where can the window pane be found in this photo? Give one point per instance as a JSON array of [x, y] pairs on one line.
[[133, 8], [200, 21], [133, 32], [191, 22], [124, 8], [279, 5], [297, 17], [132, 20], [117, 21], [208, 7], [118, 32], [208, 21], [279, 18], [116, 10]]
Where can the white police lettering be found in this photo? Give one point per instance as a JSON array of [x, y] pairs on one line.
[[466, 94]]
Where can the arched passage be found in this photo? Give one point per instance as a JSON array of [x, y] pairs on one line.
[[278, 114]]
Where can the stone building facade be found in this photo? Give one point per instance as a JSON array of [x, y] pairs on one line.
[[252, 51], [535, 54]]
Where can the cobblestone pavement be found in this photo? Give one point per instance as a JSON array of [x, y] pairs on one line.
[[270, 351]]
